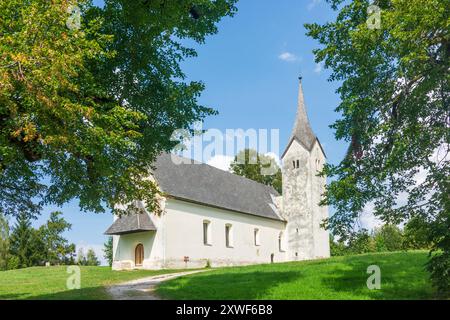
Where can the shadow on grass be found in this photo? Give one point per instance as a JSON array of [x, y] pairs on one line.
[[225, 285], [400, 279], [91, 293]]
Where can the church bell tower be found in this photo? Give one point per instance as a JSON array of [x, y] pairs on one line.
[[302, 159]]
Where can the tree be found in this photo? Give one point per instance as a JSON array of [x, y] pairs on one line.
[[91, 105], [81, 259], [252, 165], [394, 114], [91, 258], [57, 249], [388, 238], [337, 248], [108, 250], [4, 242], [417, 234], [361, 242], [26, 244]]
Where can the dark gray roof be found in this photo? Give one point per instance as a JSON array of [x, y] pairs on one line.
[[131, 223], [302, 131], [202, 183]]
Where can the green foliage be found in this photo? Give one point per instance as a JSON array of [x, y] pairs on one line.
[[388, 238], [33, 247], [439, 267], [13, 262], [361, 242], [81, 258], [91, 258], [92, 107], [26, 244], [252, 165], [108, 250], [4, 242], [57, 249], [394, 105], [417, 234], [337, 248]]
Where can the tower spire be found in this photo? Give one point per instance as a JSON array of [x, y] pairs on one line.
[[302, 129]]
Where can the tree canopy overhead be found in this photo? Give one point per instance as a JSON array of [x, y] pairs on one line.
[[394, 114], [90, 106]]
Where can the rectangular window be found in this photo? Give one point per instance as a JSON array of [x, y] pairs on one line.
[[256, 237], [280, 242], [206, 237], [228, 236]]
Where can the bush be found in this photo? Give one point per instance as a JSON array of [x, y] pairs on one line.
[[439, 268]]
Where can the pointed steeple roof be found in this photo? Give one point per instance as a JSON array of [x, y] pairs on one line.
[[302, 131]]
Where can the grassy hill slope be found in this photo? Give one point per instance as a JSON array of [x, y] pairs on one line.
[[402, 277], [50, 282]]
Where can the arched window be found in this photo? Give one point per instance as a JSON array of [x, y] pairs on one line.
[[139, 255], [206, 232], [256, 238]]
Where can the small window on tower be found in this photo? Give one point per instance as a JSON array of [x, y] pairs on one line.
[[293, 164], [298, 164]]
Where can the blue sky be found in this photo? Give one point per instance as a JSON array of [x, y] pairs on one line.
[[250, 69]]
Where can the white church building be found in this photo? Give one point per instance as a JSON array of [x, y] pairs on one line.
[[213, 217]]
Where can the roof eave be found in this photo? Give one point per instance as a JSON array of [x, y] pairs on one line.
[[223, 208]]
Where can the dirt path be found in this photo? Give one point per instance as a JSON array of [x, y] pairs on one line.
[[142, 289]]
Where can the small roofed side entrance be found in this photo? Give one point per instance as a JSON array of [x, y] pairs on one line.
[[133, 241]]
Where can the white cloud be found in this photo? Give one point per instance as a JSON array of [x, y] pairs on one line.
[[98, 249], [319, 67], [288, 57], [221, 162], [367, 219], [313, 3]]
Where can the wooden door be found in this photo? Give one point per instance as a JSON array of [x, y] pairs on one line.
[[139, 255]]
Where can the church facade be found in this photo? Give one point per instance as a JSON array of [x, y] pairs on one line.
[[213, 217]]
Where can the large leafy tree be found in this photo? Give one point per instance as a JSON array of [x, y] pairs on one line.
[[395, 116], [91, 107], [253, 165]]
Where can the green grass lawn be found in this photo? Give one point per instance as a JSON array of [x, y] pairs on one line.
[[50, 282], [402, 277]]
